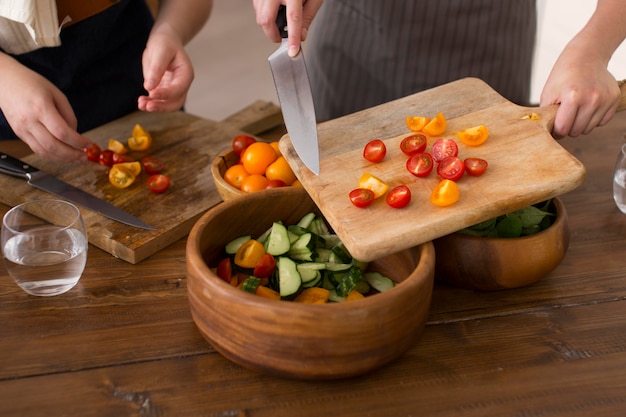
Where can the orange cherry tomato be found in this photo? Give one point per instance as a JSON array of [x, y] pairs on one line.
[[121, 176], [254, 182], [138, 130], [117, 146], [276, 148], [133, 167], [249, 254], [139, 143], [235, 175], [416, 123], [436, 126], [296, 183], [375, 184], [257, 157], [445, 193], [280, 170], [474, 136]]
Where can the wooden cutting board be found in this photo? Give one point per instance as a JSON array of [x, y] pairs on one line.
[[526, 166], [186, 144]]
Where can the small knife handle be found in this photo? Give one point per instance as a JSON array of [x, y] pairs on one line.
[[13, 166], [281, 21]]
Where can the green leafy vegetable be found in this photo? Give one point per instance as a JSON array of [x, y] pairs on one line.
[[523, 222]]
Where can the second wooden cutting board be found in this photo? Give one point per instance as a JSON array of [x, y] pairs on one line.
[[526, 166]]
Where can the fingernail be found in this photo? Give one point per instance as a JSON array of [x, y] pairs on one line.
[[293, 50]]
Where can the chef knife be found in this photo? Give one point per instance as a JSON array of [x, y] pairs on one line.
[[294, 94], [41, 180]]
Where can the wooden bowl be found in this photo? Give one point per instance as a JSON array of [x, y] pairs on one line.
[[488, 264], [220, 164], [295, 340]]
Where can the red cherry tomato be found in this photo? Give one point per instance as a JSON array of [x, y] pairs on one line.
[[241, 142], [375, 150], [420, 164], [119, 158], [225, 269], [265, 267], [158, 183], [413, 144], [442, 148], [93, 152], [475, 166], [106, 158], [451, 168], [151, 165], [399, 196], [275, 184], [362, 197]]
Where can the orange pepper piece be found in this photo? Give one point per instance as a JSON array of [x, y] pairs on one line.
[[267, 292], [313, 295]]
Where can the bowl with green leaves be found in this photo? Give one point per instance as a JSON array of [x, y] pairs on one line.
[[509, 251]]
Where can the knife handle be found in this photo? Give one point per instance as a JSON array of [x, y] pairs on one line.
[[281, 21], [13, 166]]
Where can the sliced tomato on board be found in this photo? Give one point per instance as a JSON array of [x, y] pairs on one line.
[[451, 168], [399, 197], [445, 193], [152, 165], [413, 144], [443, 148], [475, 166], [158, 183], [436, 126], [474, 136], [362, 197], [420, 164], [375, 150]]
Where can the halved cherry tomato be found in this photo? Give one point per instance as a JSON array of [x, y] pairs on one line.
[[225, 269], [413, 144], [416, 123], [265, 267], [399, 196], [152, 165], [158, 183], [370, 182], [436, 126], [133, 167], [121, 176], [280, 170], [362, 197], [443, 148], [420, 164], [93, 152], [254, 182], [445, 193], [275, 184], [106, 158], [474, 136], [451, 168], [119, 158], [241, 142], [249, 254], [138, 130], [475, 166], [117, 146], [140, 143], [375, 150], [257, 157]]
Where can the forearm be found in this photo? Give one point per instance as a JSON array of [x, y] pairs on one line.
[[184, 18]]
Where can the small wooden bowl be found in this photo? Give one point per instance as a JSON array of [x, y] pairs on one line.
[[488, 264], [298, 340], [220, 164]]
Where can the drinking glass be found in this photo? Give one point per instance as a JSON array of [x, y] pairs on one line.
[[44, 244], [619, 180]]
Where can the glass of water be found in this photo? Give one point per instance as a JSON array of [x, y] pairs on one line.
[[44, 244]]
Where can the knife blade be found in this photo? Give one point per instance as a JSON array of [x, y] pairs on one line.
[[39, 179], [294, 94]]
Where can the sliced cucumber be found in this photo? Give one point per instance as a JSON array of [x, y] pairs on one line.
[[306, 220], [342, 253], [302, 249], [278, 240], [313, 283], [349, 282], [310, 270], [289, 279], [335, 267], [322, 254], [380, 282], [334, 297], [250, 284], [235, 244], [318, 226], [297, 230]]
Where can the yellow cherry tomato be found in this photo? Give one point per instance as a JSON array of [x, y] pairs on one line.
[[133, 167], [121, 176], [436, 126], [445, 193], [254, 182], [370, 182], [474, 136], [257, 157], [235, 175], [280, 170], [276, 148], [416, 123], [249, 254], [117, 146]]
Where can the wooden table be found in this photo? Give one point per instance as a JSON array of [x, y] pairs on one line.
[[122, 343]]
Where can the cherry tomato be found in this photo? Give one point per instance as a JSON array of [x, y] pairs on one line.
[[225, 269], [93, 152], [254, 182], [158, 183], [362, 197], [445, 193], [399, 197], [249, 254], [275, 184], [138, 130], [436, 126], [276, 148], [442, 148], [375, 150], [241, 142], [133, 167], [413, 144], [416, 123], [420, 164], [235, 175], [117, 146], [265, 267], [140, 143], [152, 165], [474, 136], [257, 157], [369, 181], [475, 166], [121, 176], [280, 170], [119, 158], [106, 158], [451, 168]]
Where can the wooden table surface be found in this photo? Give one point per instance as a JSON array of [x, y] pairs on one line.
[[122, 342]]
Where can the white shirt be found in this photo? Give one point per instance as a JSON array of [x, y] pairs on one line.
[[26, 25]]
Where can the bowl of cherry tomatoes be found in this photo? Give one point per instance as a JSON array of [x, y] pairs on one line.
[[250, 165], [511, 251], [285, 337]]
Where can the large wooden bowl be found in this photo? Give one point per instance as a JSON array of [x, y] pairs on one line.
[[488, 264], [220, 164], [298, 340]]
